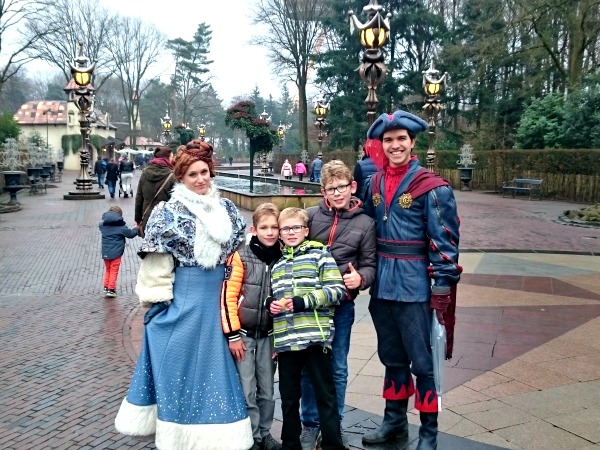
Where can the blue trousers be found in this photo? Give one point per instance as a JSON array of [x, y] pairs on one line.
[[343, 320]]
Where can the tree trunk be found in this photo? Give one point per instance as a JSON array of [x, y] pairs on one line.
[[303, 112]]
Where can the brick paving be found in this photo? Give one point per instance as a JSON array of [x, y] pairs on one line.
[[67, 353]]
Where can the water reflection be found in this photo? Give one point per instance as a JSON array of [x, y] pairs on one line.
[[261, 187]]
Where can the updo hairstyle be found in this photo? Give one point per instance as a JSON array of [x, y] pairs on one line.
[[195, 150]]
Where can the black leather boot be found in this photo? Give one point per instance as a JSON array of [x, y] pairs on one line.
[[428, 431], [394, 425]]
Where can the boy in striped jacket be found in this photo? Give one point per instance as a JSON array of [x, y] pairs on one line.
[[307, 285]]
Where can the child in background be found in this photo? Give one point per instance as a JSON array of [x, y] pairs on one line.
[[306, 284], [247, 323], [114, 231]]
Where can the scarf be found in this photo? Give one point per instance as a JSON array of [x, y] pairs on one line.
[[264, 253], [161, 162], [213, 225], [393, 178]]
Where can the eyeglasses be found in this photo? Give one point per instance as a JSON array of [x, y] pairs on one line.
[[341, 189], [295, 229]]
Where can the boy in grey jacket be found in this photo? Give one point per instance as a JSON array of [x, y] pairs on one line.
[[114, 231]]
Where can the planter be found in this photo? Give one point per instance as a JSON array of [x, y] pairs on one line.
[[466, 175], [12, 184]]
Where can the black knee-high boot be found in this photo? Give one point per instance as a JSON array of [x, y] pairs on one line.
[[394, 425], [428, 431]]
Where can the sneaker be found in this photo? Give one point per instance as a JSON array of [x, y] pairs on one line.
[[111, 293], [269, 443], [309, 437], [255, 446], [105, 290]]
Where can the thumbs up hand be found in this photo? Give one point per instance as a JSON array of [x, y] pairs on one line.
[[352, 278]]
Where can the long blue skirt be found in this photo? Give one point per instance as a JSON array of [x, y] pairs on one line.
[[185, 387]]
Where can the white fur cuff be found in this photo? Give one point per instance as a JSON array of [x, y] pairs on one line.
[[133, 420]]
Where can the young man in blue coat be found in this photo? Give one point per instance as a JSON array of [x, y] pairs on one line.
[[417, 229]]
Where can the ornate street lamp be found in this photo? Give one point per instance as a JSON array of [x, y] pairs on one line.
[[321, 109], [202, 131], [373, 36], [166, 126], [281, 135], [264, 166], [433, 85], [82, 72]]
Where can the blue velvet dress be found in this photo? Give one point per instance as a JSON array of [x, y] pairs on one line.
[[185, 387]]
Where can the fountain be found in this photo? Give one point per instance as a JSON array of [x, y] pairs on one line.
[[464, 163], [12, 177], [286, 194]]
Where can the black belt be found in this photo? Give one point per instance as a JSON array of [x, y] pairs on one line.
[[401, 249]]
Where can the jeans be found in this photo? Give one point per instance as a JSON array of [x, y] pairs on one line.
[[316, 361], [257, 372], [317, 175], [343, 320], [101, 179], [112, 185], [111, 273]]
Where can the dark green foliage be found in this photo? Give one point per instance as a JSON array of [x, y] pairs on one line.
[[74, 142], [8, 127], [242, 116]]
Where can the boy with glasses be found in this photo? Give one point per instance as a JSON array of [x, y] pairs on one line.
[[339, 222], [306, 286]]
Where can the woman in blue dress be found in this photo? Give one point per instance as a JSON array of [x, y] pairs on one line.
[[185, 387]]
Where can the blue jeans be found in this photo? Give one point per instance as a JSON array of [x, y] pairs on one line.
[[343, 320], [101, 179], [317, 175], [112, 184]]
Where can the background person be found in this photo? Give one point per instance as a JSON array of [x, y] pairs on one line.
[[154, 186], [286, 170], [315, 170], [126, 169], [185, 388], [417, 271], [300, 169], [112, 175], [100, 171]]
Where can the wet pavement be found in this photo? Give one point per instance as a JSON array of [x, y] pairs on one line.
[[525, 373]]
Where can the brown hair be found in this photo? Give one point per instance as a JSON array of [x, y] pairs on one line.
[[292, 212], [335, 169], [263, 210], [162, 152], [116, 209], [195, 150]]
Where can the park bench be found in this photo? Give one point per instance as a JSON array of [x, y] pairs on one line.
[[528, 186]]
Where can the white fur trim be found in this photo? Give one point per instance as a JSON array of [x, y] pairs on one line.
[[213, 226], [134, 420], [155, 278], [228, 436]]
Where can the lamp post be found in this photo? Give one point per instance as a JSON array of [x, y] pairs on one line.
[[47, 113], [321, 110], [166, 126], [82, 72], [433, 85], [264, 168], [373, 35], [202, 131]]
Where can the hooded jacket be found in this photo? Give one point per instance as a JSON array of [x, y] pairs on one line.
[[308, 274], [114, 231], [350, 235], [151, 179]]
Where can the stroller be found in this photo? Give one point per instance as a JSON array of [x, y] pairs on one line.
[[125, 187]]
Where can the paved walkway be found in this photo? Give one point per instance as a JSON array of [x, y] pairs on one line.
[[525, 374]]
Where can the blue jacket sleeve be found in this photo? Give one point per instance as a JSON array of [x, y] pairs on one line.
[[443, 232]]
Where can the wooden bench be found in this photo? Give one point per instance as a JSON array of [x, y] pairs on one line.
[[528, 186]]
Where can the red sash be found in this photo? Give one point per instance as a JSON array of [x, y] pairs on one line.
[[423, 182]]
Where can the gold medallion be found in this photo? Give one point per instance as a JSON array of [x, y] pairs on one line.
[[376, 200], [406, 200]]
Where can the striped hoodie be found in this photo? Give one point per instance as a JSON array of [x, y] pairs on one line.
[[308, 274]]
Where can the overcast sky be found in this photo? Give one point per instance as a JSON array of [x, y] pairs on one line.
[[238, 66]]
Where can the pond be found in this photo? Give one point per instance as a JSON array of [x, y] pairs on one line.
[[262, 187]]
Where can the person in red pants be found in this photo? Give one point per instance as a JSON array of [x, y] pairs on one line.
[[114, 231]]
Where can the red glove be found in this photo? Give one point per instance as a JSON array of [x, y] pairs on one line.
[[440, 300]]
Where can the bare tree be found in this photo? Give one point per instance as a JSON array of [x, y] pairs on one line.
[[65, 23], [134, 50], [13, 15], [293, 32]]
